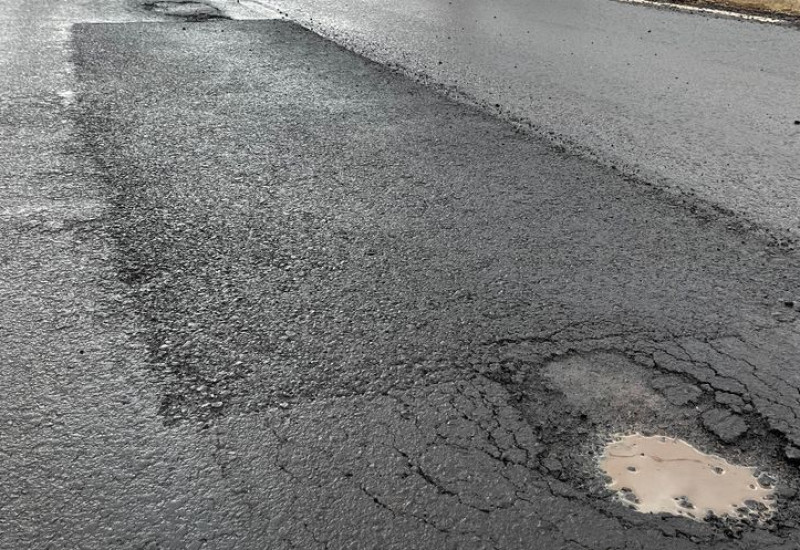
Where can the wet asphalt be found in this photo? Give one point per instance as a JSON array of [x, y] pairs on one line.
[[260, 292], [702, 105]]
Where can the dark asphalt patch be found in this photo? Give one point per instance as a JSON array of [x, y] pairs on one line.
[[296, 223]]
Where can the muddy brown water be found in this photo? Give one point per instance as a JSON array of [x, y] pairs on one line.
[[656, 474]]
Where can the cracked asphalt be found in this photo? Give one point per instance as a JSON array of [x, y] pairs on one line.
[[260, 292]]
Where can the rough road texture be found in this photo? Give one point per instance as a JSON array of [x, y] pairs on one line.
[[322, 307], [86, 460]]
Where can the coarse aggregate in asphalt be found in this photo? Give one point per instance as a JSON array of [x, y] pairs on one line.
[[309, 303]]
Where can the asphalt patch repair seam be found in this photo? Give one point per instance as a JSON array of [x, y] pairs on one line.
[[376, 260]]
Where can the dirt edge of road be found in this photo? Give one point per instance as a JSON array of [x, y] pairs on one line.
[[785, 9], [767, 11]]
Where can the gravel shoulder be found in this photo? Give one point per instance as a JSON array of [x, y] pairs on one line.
[[785, 8]]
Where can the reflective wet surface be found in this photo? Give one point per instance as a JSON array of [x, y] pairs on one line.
[[694, 102]]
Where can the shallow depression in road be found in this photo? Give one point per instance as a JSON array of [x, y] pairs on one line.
[[183, 8], [656, 474]]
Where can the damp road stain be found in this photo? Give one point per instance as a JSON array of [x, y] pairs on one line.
[[656, 474]]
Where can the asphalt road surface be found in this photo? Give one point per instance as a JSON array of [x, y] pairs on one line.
[[260, 292], [705, 106]]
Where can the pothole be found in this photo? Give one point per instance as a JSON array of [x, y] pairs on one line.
[[185, 9], [574, 400], [657, 474]]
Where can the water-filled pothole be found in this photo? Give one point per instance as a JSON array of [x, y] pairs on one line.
[[656, 474]]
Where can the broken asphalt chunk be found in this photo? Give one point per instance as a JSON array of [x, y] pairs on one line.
[[728, 427]]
